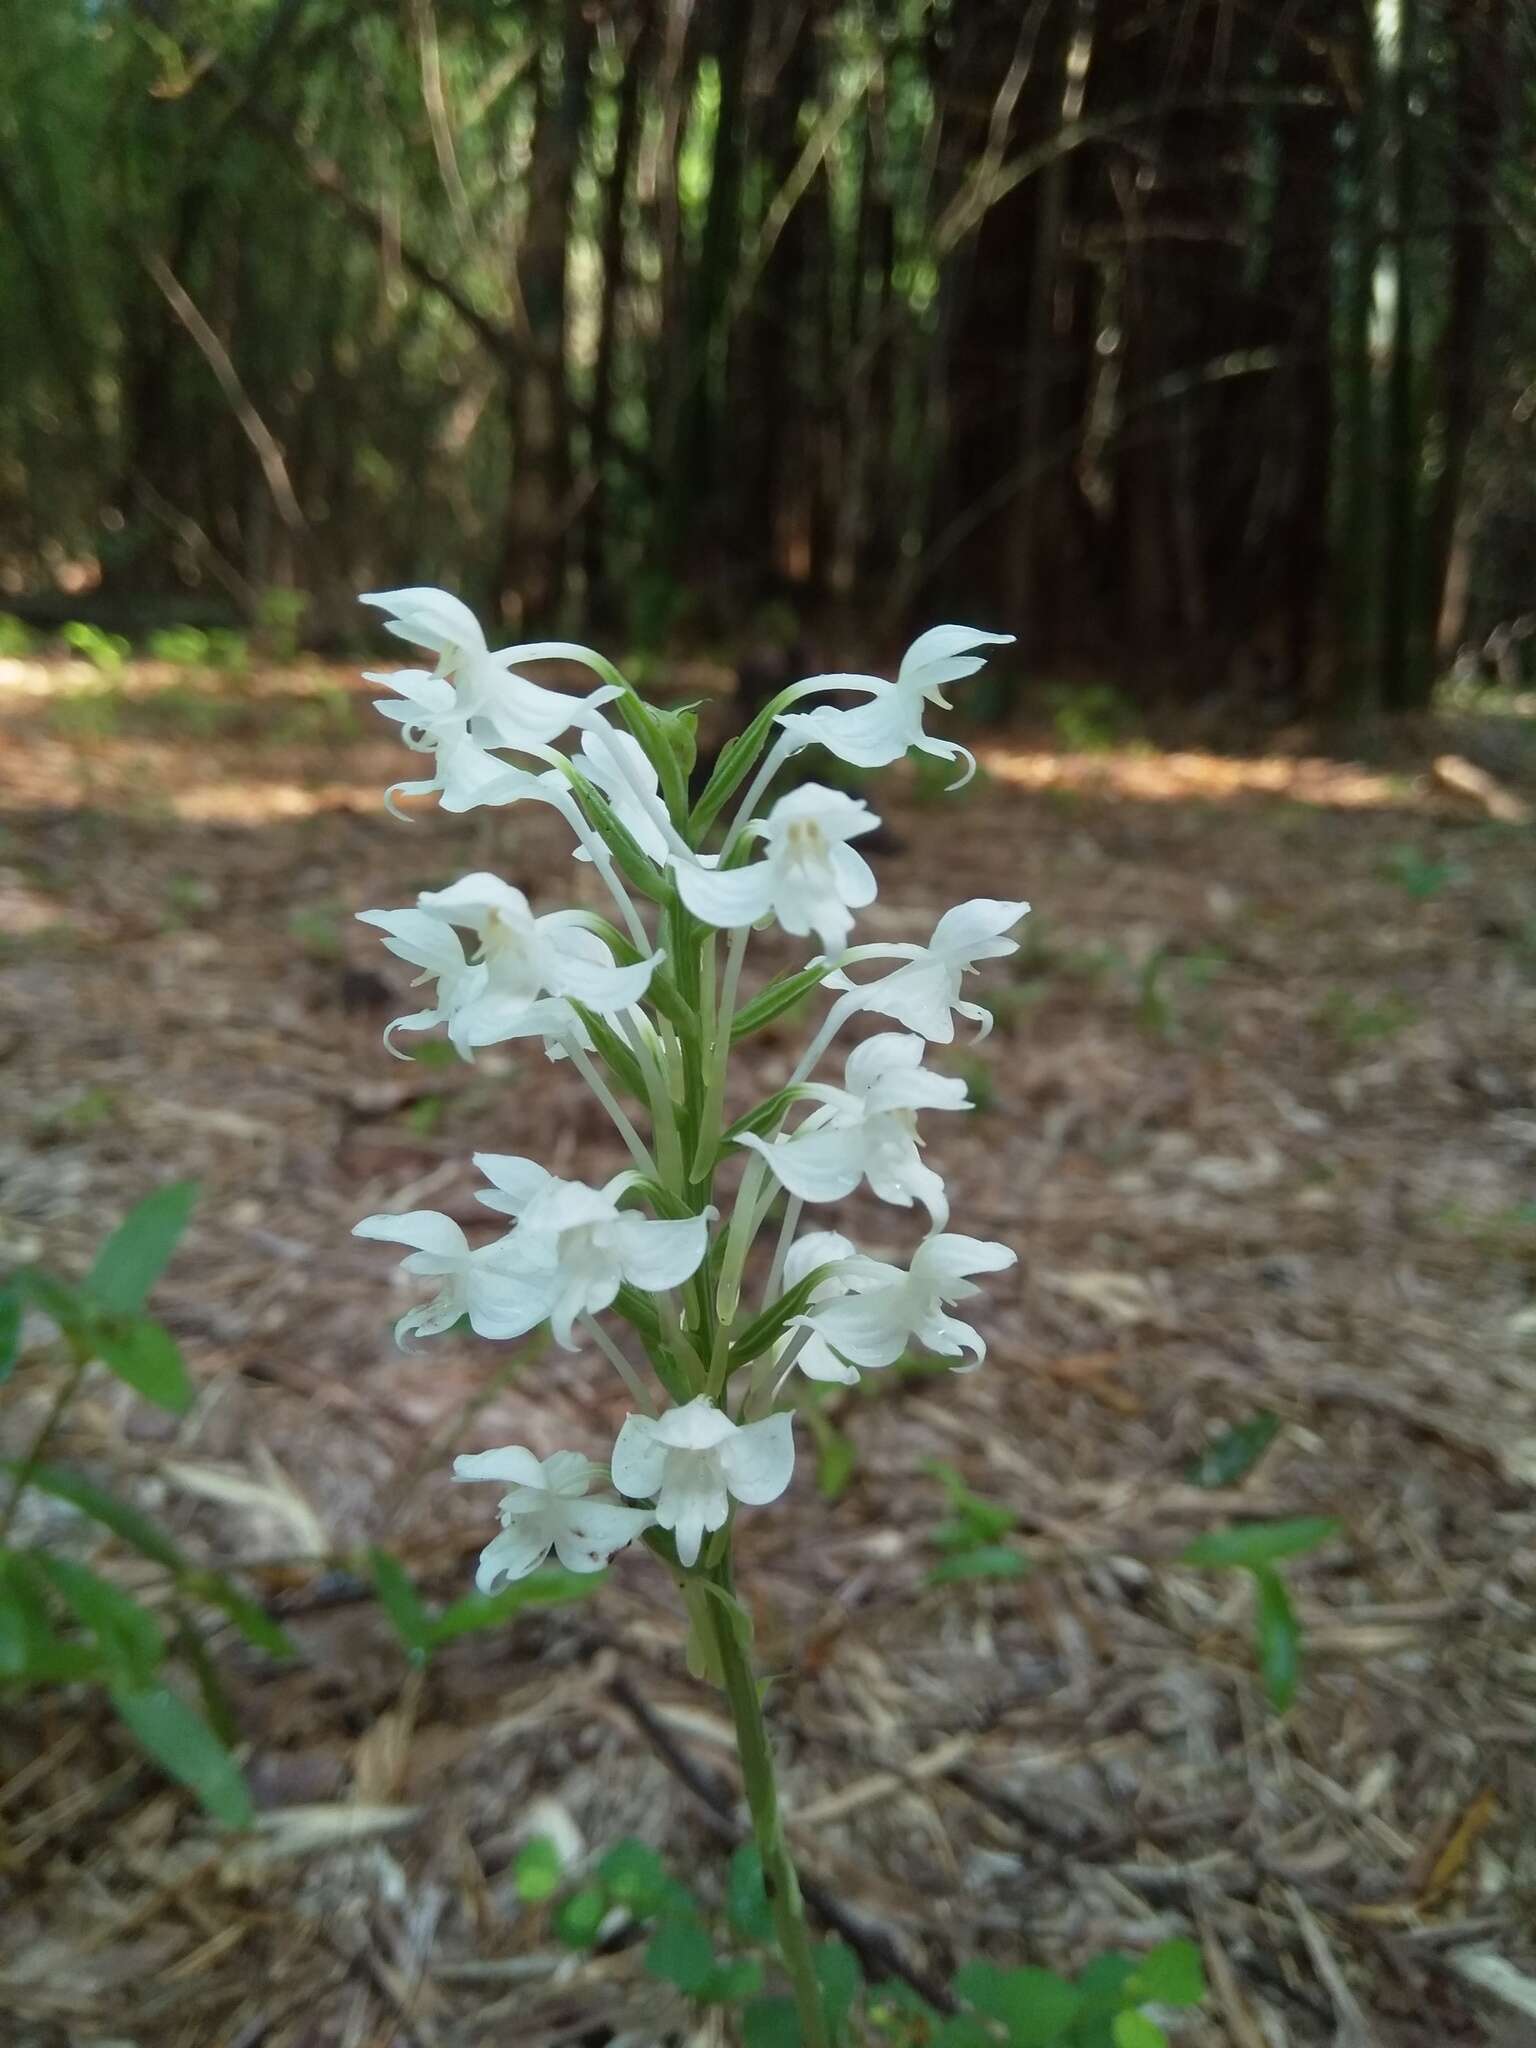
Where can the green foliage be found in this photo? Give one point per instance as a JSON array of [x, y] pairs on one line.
[[974, 1537], [1234, 1454], [280, 616], [777, 1000], [1166, 979], [106, 652], [1090, 718], [182, 646], [422, 1632], [1420, 875], [1255, 1545], [63, 1621], [16, 638], [1354, 1021], [1257, 1548]]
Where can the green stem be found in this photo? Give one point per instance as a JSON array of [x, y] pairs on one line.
[[779, 1879], [68, 1387]]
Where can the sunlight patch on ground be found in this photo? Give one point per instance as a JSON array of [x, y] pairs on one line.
[[1152, 777]]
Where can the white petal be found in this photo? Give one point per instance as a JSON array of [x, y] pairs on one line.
[[877, 1058], [839, 815], [870, 1329], [697, 1426], [594, 1529], [759, 1460], [420, 691], [692, 1501], [900, 1180], [638, 1458], [571, 972], [512, 1463], [942, 645], [658, 1254], [727, 898], [515, 1180], [500, 1305], [429, 618], [568, 1473], [425, 1229], [415, 936], [977, 930], [871, 735], [818, 1361], [949, 1337], [953, 1256], [816, 1248], [520, 1548], [474, 899], [819, 1166], [854, 876]]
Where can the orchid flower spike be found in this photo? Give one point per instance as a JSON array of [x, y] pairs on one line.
[[474, 1283], [867, 1129], [890, 723], [574, 1247], [694, 1461], [616, 762], [526, 971], [812, 880], [546, 1508], [924, 993], [882, 1310]]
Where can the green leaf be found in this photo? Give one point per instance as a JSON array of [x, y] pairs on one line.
[[963, 2032], [1036, 2006], [402, 1603], [977, 1520], [128, 1634], [578, 1920], [635, 1876], [1170, 1974], [1135, 2030], [144, 1356], [737, 759], [639, 1311], [1279, 1640], [731, 1981], [59, 1301], [668, 739], [127, 1523], [10, 1329], [186, 1749], [775, 999], [760, 1120], [765, 1330], [772, 2023], [135, 1255], [476, 1611], [536, 1871], [988, 1561], [746, 1896], [636, 867], [1233, 1455], [252, 1620], [841, 1979], [614, 1053], [680, 1953], [1256, 1544], [30, 1650]]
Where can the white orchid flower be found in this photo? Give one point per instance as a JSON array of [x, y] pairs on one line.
[[694, 1461], [811, 880], [890, 722], [924, 993], [811, 1352], [547, 1509], [526, 970], [617, 763], [867, 1129], [881, 1309], [475, 1283], [574, 1247]]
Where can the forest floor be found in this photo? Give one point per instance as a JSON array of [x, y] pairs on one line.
[[1260, 1116]]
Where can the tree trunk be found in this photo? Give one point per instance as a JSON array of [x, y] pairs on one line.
[[637, 60], [1405, 669], [533, 577], [1482, 97]]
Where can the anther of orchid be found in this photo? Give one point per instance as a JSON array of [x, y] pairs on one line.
[[648, 1267]]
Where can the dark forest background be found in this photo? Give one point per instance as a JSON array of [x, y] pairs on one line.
[[1196, 337]]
